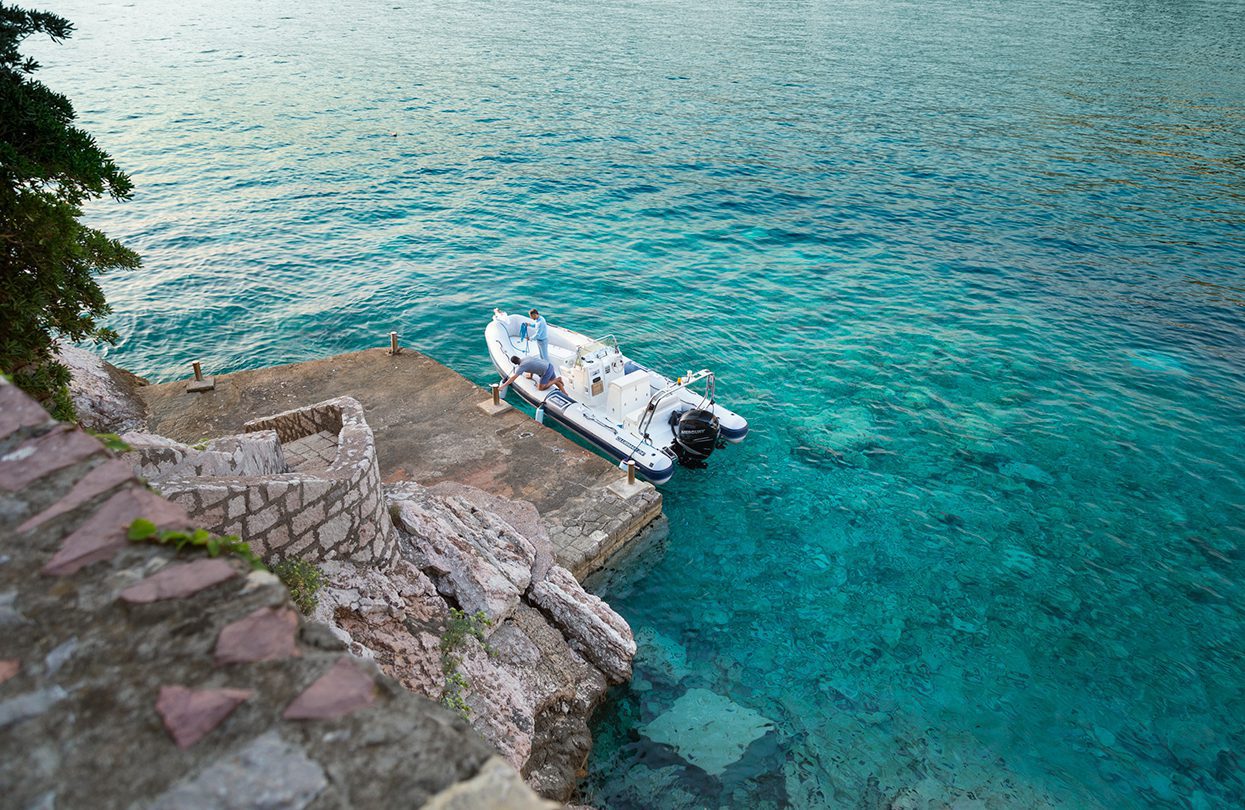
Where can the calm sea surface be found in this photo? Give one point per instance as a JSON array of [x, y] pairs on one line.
[[974, 270]]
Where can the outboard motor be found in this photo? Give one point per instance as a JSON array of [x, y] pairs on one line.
[[695, 436]]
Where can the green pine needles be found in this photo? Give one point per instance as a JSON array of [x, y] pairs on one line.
[[48, 259]]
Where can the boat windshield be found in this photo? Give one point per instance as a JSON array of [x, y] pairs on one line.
[[602, 346]]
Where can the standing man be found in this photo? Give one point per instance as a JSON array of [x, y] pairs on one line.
[[542, 334]]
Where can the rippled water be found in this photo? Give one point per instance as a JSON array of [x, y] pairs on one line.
[[973, 269]]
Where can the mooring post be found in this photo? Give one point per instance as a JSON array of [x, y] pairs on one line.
[[496, 393], [393, 343], [200, 383], [630, 473]]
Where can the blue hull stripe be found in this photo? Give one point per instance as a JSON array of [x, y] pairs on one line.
[[651, 475]]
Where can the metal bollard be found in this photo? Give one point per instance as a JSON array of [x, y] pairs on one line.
[[198, 370], [393, 342], [630, 473], [496, 393]]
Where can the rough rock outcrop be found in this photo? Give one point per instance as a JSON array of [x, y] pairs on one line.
[[592, 627], [473, 556], [105, 397], [521, 515], [551, 647], [532, 684], [170, 697]]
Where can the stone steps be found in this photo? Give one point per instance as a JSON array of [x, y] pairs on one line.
[[132, 676]]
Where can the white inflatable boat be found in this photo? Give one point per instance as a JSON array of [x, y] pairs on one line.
[[625, 409]]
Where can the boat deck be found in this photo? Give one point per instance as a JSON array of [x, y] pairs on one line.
[[429, 429]]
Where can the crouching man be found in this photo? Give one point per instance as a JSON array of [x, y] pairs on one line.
[[539, 368]]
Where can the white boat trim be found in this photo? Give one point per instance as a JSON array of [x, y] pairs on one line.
[[615, 395]]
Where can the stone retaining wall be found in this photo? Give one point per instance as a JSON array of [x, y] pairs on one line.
[[134, 677], [334, 513]]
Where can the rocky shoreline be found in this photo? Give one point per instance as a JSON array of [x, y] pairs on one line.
[[411, 563]]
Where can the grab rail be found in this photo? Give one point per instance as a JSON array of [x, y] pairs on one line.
[[679, 384]]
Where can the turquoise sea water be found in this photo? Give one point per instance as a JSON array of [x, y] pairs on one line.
[[974, 270]]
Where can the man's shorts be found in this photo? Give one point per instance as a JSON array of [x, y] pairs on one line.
[[548, 376]]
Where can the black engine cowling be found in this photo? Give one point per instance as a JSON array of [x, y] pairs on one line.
[[695, 436]]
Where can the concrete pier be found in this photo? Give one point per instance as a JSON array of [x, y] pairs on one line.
[[429, 428]]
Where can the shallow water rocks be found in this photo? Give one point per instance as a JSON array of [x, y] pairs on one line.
[[707, 729]]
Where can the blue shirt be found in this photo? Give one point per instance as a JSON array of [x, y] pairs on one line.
[[533, 365], [542, 329]]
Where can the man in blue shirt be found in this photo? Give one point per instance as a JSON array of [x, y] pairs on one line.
[[542, 369], [541, 335]]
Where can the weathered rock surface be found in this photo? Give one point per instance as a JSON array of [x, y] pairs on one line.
[[97, 693], [530, 694], [105, 397], [155, 457], [521, 515], [530, 690], [595, 630], [473, 557]]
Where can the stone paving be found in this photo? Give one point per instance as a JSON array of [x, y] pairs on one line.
[[131, 676], [315, 452], [428, 429]]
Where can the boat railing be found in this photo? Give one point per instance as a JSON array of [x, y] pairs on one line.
[[665, 393]]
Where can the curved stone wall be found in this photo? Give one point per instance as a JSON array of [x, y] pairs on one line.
[[334, 511]]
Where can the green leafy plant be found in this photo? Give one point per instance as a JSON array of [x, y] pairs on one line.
[[144, 531], [458, 629], [304, 580], [112, 441], [48, 259]]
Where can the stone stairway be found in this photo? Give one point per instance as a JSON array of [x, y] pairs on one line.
[[132, 676]]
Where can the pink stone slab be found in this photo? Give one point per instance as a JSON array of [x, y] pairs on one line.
[[18, 411], [61, 447], [8, 668], [104, 533], [343, 689], [106, 476], [190, 715], [178, 581], [265, 635]]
